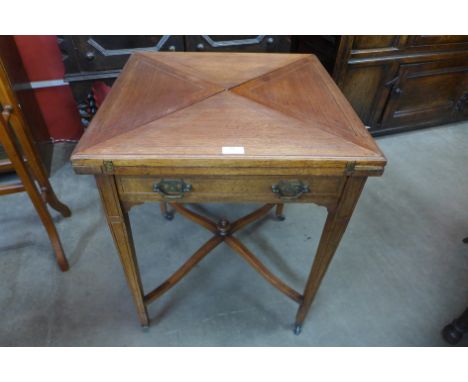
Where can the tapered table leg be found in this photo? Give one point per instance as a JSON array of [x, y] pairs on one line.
[[279, 212], [169, 215], [335, 226], [119, 225]]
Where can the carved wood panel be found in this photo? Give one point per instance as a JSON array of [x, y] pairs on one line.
[[427, 94], [253, 43]]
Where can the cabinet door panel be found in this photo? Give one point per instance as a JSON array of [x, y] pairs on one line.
[[437, 40], [375, 42], [363, 87], [427, 93], [240, 43], [97, 53]]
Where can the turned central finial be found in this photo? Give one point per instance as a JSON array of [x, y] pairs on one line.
[[223, 227]]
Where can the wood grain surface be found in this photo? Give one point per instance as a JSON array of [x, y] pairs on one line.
[[178, 109]]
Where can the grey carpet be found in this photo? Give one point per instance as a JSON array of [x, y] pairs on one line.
[[399, 275]]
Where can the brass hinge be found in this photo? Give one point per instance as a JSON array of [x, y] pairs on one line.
[[108, 167], [350, 168]]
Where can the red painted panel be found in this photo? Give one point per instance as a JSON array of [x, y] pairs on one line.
[[41, 57], [43, 61], [60, 113]]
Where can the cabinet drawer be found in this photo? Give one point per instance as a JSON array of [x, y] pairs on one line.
[[232, 189], [440, 41]]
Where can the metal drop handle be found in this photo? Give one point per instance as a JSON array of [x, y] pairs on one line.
[[290, 189], [172, 189]]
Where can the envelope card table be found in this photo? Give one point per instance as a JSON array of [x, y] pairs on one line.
[[182, 128]]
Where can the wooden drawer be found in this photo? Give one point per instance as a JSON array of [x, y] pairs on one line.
[[440, 41], [322, 190]]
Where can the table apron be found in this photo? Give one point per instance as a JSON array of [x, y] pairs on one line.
[[322, 190]]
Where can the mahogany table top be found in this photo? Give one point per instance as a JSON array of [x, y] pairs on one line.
[[226, 110]]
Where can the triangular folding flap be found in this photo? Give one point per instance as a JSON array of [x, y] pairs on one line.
[[301, 90], [145, 91], [233, 121], [226, 69]]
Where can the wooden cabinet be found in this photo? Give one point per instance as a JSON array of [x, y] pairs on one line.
[[444, 42], [427, 93], [398, 83]]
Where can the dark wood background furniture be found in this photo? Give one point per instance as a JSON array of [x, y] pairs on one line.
[[227, 127], [399, 83], [394, 83], [23, 158]]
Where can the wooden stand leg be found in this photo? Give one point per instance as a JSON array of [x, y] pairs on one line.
[[14, 154], [119, 225], [169, 215], [335, 226], [53, 201], [36, 166], [279, 212]]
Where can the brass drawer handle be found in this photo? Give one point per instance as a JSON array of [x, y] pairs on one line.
[[172, 188], [290, 189]]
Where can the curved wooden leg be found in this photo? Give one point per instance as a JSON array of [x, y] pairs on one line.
[[335, 226], [244, 252], [184, 269], [119, 225], [51, 231], [14, 154], [35, 164], [47, 221], [22, 133], [279, 212], [56, 204]]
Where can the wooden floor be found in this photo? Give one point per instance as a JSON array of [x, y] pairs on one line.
[[396, 287]]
